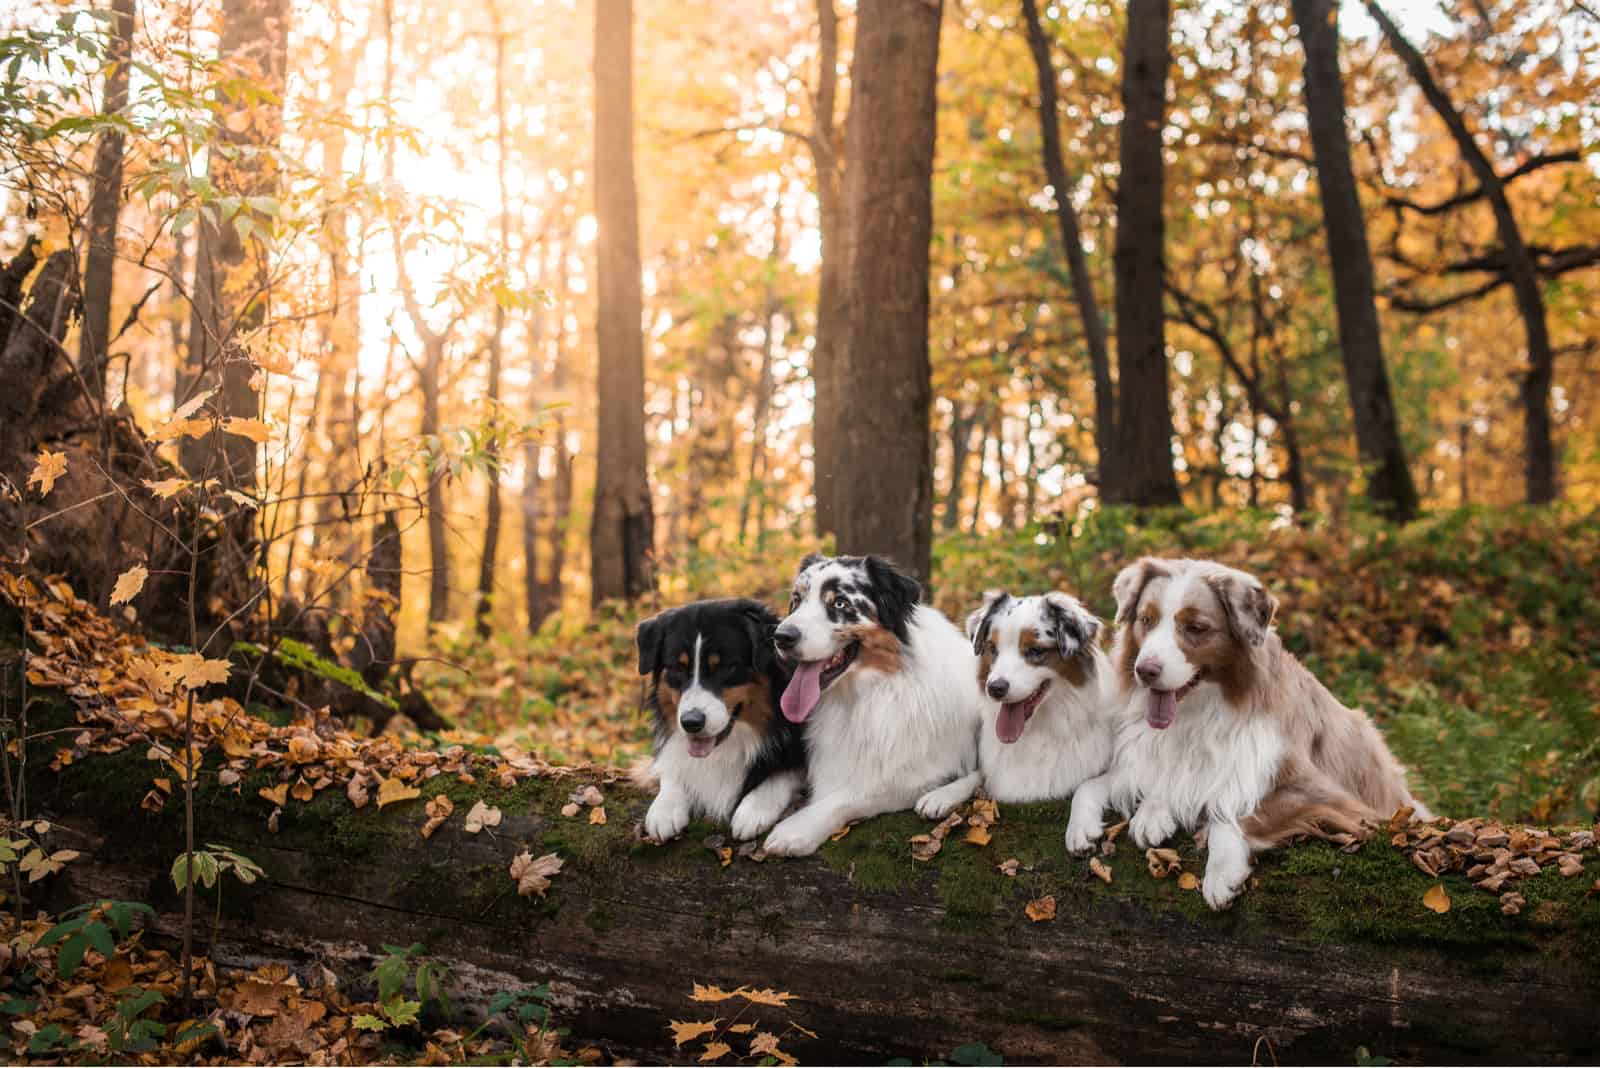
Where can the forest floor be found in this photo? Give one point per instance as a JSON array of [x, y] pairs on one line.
[[1472, 638]]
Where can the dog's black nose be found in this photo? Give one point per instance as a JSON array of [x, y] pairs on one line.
[[786, 637], [998, 688], [1148, 671], [693, 720]]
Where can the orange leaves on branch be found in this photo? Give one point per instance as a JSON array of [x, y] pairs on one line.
[[254, 429], [167, 487], [47, 467], [129, 583]]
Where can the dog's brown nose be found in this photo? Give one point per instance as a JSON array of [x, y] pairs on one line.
[[1148, 671]]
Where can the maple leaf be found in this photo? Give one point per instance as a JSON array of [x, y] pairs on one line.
[[533, 876], [768, 996], [47, 467], [254, 429], [715, 1051], [192, 671], [766, 1044], [167, 487], [1042, 909], [392, 790], [278, 795], [687, 1031], [597, 816], [177, 428], [438, 810], [712, 993], [1436, 899], [978, 836], [129, 583], [480, 816], [192, 405]]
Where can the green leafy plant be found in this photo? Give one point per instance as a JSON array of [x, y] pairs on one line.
[[208, 866], [518, 1012], [91, 926], [402, 965], [129, 1031]]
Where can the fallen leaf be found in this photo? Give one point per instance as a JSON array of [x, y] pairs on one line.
[[767, 996], [480, 816], [589, 795], [978, 836], [533, 876], [47, 467], [712, 993], [129, 583], [438, 810], [570, 809], [1162, 862], [1189, 881], [597, 816], [840, 833], [1008, 867], [687, 1031], [356, 791], [392, 790], [302, 791], [278, 795], [194, 671], [1099, 869], [1436, 899], [715, 1051], [1042, 909], [1115, 829]]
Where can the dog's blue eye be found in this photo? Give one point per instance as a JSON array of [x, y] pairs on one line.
[[1035, 655]]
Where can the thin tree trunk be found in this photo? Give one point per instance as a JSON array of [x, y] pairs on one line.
[[1031, 475], [1519, 269], [832, 329], [622, 534], [1094, 327], [961, 423], [492, 508], [1389, 484], [1142, 472], [886, 505], [438, 542], [94, 338], [978, 481]]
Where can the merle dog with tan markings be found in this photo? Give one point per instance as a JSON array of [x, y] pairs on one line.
[[1217, 725]]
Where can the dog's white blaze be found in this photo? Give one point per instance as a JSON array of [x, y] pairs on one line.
[[818, 640], [1161, 644], [698, 698]]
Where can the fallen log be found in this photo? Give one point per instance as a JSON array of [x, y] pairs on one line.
[[885, 956]]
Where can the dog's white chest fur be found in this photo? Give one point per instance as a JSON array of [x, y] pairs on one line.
[[1212, 762], [1067, 742], [710, 784]]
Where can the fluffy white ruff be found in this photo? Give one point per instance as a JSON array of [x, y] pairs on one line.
[[708, 787], [885, 741], [1066, 742]]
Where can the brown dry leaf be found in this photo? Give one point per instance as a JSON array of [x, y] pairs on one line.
[[570, 809], [278, 795], [235, 742], [1099, 869], [840, 833], [194, 671], [303, 749], [356, 791], [533, 876], [47, 467], [393, 790], [715, 1051], [166, 488], [1115, 829], [1042, 909], [482, 815], [712, 993], [1188, 881], [925, 846], [767, 996], [589, 795], [689, 1030], [302, 791], [1401, 818], [254, 429], [1511, 903], [978, 836], [1569, 864], [129, 583], [1008, 867], [1436, 899], [1162, 862], [740, 1029], [597, 816], [438, 810]]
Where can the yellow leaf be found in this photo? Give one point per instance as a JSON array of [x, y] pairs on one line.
[[194, 671], [167, 487], [192, 405], [715, 1051], [394, 790], [767, 996], [978, 836], [1436, 899], [1042, 909], [129, 583], [1098, 867], [688, 1031], [303, 749], [765, 1042], [597, 815], [533, 876], [278, 795], [481, 816], [47, 467], [254, 429], [740, 1029], [712, 993], [1189, 881], [302, 791], [177, 428], [235, 742]]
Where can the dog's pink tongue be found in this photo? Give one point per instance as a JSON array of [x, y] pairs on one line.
[[701, 745], [803, 691], [1009, 723], [1163, 709]]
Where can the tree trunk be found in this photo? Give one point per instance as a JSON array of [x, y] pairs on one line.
[[884, 956], [832, 329], [483, 610], [961, 424], [885, 505], [1520, 271], [1141, 472], [1094, 327], [232, 274], [622, 533], [99, 269], [438, 539], [1389, 484]]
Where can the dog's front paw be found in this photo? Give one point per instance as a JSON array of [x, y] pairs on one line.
[[1152, 825], [666, 819], [792, 838], [1081, 836], [755, 816], [1223, 882], [939, 803]]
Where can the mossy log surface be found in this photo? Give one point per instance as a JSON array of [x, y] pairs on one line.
[[887, 957]]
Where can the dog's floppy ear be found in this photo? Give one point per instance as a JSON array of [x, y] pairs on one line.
[[894, 595], [650, 637], [1246, 602], [1130, 584], [1075, 627], [982, 618], [759, 623]]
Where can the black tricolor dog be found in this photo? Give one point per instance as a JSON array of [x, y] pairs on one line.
[[722, 752]]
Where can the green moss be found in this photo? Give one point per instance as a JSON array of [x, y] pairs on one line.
[[600, 919]]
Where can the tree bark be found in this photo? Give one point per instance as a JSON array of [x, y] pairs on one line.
[[1519, 267], [99, 269], [1389, 484], [438, 535], [483, 610], [885, 505], [1141, 472], [961, 424], [885, 956], [1094, 327], [622, 533], [832, 328]]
